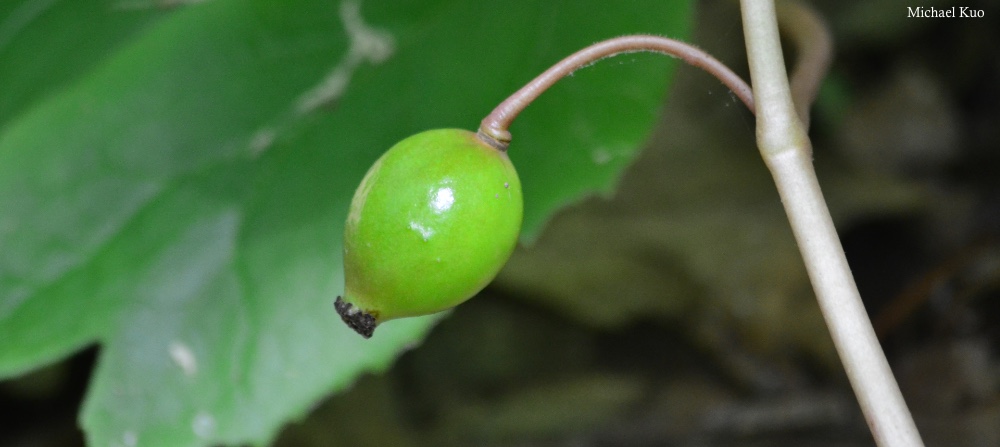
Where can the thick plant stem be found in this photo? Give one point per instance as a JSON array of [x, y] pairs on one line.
[[848, 323], [494, 128], [787, 152]]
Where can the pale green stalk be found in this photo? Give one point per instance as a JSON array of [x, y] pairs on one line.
[[787, 151]]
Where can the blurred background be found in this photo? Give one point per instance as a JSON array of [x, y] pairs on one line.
[[677, 311]]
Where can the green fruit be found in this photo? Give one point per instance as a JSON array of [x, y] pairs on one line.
[[432, 223]]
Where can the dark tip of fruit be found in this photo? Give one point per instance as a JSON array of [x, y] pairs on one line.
[[362, 322]]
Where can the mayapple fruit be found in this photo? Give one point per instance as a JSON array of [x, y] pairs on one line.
[[432, 223]]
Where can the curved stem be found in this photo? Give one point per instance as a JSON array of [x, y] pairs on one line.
[[494, 127], [813, 52]]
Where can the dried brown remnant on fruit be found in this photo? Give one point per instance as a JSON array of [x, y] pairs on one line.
[[362, 322]]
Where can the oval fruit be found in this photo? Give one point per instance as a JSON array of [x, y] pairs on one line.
[[432, 223]]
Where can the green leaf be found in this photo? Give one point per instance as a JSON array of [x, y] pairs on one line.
[[42, 44], [179, 196]]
